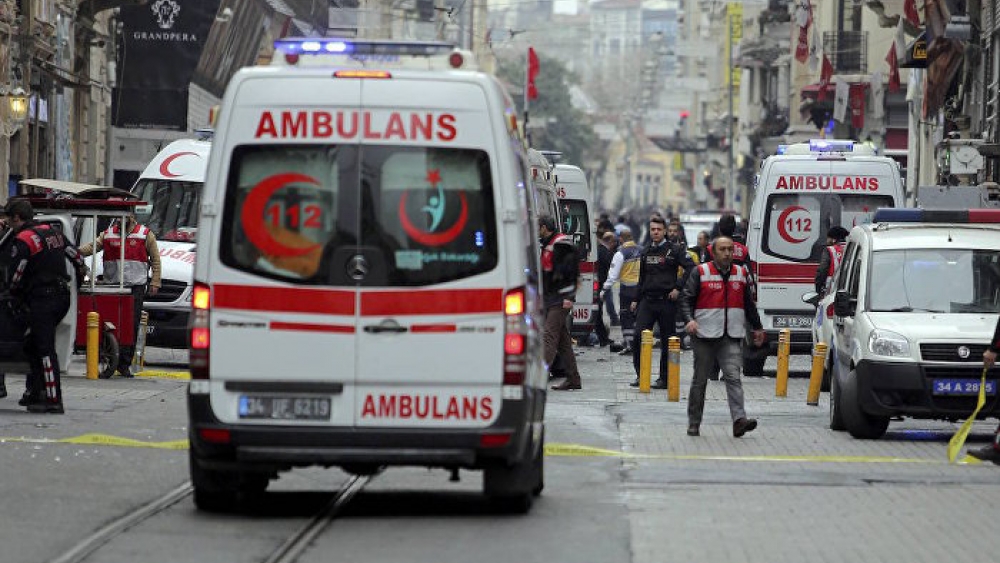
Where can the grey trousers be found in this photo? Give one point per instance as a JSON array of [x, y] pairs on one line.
[[728, 353]]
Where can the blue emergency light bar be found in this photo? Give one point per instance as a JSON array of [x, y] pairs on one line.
[[911, 215], [830, 145], [327, 45], [781, 149]]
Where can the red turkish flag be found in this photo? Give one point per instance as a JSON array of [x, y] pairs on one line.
[[910, 9], [533, 68], [825, 75], [893, 68], [856, 102]]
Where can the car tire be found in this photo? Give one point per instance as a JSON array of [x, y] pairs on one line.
[[223, 491], [512, 488], [107, 357], [859, 423], [836, 410]]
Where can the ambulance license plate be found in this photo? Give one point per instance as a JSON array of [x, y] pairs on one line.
[[285, 408], [962, 387], [792, 321]]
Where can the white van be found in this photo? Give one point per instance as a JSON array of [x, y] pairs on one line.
[[171, 185], [577, 210], [915, 306], [800, 195], [367, 280]]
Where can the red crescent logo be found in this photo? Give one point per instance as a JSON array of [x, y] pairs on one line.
[[434, 239], [781, 224], [165, 165], [252, 215]]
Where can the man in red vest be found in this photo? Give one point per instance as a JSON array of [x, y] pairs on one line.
[[140, 257], [831, 258], [717, 306]]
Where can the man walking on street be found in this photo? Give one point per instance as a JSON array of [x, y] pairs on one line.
[[658, 291], [831, 258], [605, 252], [990, 452], [559, 272], [141, 254], [625, 271], [40, 280], [717, 306]]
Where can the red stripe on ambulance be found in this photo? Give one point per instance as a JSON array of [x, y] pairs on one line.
[[283, 299], [427, 407], [433, 302], [355, 124]]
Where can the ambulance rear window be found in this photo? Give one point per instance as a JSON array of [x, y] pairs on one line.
[[575, 220], [796, 223], [369, 215]]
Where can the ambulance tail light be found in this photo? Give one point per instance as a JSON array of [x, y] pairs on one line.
[[494, 440], [515, 337], [201, 302]]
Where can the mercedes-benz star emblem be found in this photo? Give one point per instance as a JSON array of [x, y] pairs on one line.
[[357, 268], [963, 352]]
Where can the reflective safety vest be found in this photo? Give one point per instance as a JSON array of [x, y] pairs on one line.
[[632, 253], [836, 256], [135, 267], [719, 308], [549, 250]]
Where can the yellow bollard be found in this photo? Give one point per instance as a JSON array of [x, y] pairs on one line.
[[784, 348], [674, 369], [93, 343], [645, 360], [139, 358], [816, 375]]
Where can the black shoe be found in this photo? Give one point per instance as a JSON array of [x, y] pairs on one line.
[[744, 425], [634, 383], [693, 430], [26, 399], [46, 407], [125, 372], [986, 453], [567, 386], [615, 347], [603, 344], [659, 384]]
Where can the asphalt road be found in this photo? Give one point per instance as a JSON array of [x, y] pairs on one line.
[[623, 483]]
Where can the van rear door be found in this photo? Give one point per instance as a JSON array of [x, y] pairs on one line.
[[284, 302], [430, 338]]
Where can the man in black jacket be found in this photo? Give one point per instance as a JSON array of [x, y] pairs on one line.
[[605, 252], [560, 268], [659, 289]]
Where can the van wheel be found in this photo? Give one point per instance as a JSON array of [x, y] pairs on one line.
[[859, 423], [836, 411], [224, 491], [107, 357], [512, 488]]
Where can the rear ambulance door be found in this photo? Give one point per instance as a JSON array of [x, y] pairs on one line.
[[284, 311], [430, 334]]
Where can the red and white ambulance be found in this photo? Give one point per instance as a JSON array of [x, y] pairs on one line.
[[576, 208], [799, 195], [367, 279]]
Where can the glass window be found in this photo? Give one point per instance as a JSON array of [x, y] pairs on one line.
[[284, 209], [576, 221], [910, 280], [172, 208], [797, 223], [433, 213]]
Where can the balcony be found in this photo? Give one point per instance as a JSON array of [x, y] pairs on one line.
[[847, 51]]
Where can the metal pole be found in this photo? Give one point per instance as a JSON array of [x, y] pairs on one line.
[[728, 197]]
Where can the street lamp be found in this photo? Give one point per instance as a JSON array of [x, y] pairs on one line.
[[13, 110]]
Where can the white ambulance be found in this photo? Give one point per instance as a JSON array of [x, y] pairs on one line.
[[171, 185], [576, 209], [367, 279], [801, 194]]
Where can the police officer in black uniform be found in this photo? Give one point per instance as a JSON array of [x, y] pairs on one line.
[[40, 281], [659, 289]]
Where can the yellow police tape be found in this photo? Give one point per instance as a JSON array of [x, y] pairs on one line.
[[578, 450], [164, 374], [958, 440], [103, 440]]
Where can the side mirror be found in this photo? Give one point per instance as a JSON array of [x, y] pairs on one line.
[[810, 297], [843, 304]]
